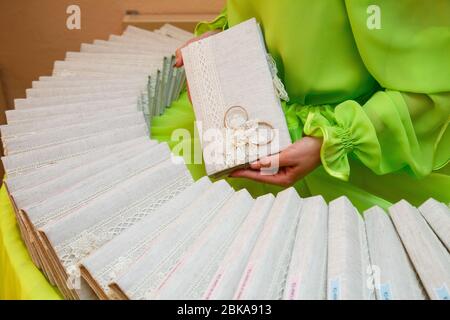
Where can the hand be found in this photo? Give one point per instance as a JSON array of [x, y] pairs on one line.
[[294, 163]]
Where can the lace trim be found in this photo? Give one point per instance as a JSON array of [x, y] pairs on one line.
[[89, 240], [145, 288], [41, 164], [212, 103], [66, 209], [278, 85], [111, 271], [58, 142]]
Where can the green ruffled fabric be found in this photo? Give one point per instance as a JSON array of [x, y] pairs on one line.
[[336, 79], [219, 23]]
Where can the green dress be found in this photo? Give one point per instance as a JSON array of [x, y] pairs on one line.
[[372, 78]]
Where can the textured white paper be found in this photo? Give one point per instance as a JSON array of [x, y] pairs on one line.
[[90, 188], [66, 179], [348, 257], [428, 255], [105, 265], [224, 283], [437, 215], [307, 276], [148, 273], [265, 274], [231, 69], [196, 269], [28, 161], [33, 114], [393, 274], [47, 173], [56, 136]]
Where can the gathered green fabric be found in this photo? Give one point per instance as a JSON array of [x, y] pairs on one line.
[[219, 23], [378, 96]]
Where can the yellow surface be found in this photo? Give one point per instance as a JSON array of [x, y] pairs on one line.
[[19, 277]]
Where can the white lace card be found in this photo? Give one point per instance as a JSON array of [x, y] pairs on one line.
[[47, 173], [66, 179], [54, 82], [394, 276], [265, 274], [349, 268], [105, 264], [138, 35], [28, 161], [87, 189], [23, 128], [224, 283], [307, 276], [115, 46], [68, 68], [31, 115], [86, 229], [428, 255], [437, 215], [21, 104], [163, 42], [196, 269], [110, 47], [94, 223], [237, 107], [76, 90], [160, 259], [174, 32], [52, 137], [113, 57]]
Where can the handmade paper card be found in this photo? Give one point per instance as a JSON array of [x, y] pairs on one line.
[[236, 97]]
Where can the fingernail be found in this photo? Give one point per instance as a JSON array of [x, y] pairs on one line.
[[265, 161]]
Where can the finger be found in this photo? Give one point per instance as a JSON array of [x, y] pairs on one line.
[[255, 165], [188, 92], [281, 159], [179, 56], [178, 59], [278, 179]]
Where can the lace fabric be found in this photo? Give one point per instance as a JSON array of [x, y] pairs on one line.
[[89, 189], [73, 250], [140, 282], [28, 161]]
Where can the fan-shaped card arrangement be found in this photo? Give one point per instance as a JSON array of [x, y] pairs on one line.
[[108, 213]]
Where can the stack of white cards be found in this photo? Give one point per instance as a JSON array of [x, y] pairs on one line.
[[108, 213], [80, 165]]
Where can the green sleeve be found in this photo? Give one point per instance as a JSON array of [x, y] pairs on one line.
[[404, 126], [219, 23]]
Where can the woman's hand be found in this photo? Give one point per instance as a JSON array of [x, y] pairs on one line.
[[179, 56], [294, 163]]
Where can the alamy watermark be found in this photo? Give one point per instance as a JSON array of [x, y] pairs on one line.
[[73, 21]]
